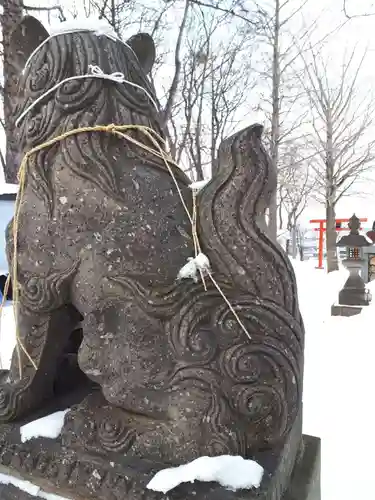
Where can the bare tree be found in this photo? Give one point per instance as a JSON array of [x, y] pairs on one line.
[[296, 184], [177, 66], [280, 26], [214, 82], [12, 15], [280, 103], [275, 120], [13, 11], [340, 130]]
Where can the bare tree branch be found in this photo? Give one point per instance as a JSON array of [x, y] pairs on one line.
[[177, 63], [58, 8], [340, 126]]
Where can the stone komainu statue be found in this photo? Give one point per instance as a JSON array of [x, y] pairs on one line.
[[102, 237]]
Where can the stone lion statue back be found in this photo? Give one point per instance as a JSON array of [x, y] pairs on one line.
[[101, 237]]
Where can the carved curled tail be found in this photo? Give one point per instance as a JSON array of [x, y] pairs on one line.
[[232, 227]]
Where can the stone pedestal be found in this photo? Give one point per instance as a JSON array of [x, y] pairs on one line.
[[354, 292], [354, 295], [344, 310], [10, 492], [304, 484], [291, 473], [305, 481]]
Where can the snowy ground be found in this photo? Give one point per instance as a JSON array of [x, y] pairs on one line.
[[338, 383]]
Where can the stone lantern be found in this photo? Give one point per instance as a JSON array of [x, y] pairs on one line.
[[354, 294], [371, 234]]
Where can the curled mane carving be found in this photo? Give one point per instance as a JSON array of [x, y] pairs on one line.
[[84, 102]]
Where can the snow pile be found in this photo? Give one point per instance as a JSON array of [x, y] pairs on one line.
[[29, 488], [48, 427], [193, 267], [199, 185], [8, 188], [232, 472], [7, 336], [100, 27]]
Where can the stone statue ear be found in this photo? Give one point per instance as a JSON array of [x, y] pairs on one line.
[[144, 48], [26, 37]]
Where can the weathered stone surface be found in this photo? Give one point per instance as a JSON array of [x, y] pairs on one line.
[[343, 310], [9, 492], [305, 480], [354, 292], [75, 472], [80, 476], [102, 235]]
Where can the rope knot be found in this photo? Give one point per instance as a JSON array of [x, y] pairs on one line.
[[111, 128], [115, 77], [200, 264]]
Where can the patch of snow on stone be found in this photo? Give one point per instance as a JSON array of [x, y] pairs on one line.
[[100, 27], [48, 427], [198, 185], [8, 188], [29, 488], [232, 472], [7, 336], [194, 265]]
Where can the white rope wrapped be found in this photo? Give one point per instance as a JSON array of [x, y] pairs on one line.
[[94, 72], [72, 27]]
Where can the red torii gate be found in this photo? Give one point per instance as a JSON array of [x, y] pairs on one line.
[[322, 230]]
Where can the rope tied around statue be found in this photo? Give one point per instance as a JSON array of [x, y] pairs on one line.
[[197, 265]]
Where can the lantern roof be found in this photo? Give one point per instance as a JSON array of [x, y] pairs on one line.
[[354, 239]]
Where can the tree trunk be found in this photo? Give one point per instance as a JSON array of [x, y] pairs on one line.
[[275, 122], [331, 235], [177, 67], [301, 252], [294, 242], [12, 15], [300, 245], [281, 220], [332, 262]]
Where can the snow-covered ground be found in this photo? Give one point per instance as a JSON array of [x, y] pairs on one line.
[[338, 383]]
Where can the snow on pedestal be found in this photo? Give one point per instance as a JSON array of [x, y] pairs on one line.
[[231, 472], [48, 427], [8, 188], [29, 488], [7, 336], [99, 26]]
